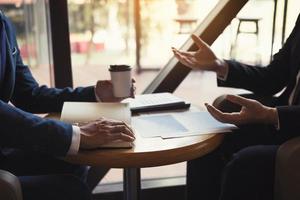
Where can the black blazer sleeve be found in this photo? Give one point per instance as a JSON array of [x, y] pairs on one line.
[[289, 117], [267, 80]]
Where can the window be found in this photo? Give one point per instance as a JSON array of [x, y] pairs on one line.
[[29, 19]]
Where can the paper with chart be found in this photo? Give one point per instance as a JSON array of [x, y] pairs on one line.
[[178, 125]]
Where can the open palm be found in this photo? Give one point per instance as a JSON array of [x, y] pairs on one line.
[[204, 58]]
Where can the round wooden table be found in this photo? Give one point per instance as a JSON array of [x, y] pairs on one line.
[[147, 152]]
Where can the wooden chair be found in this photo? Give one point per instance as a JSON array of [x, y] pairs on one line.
[[287, 171], [10, 188]]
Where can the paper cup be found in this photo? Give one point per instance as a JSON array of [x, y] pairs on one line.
[[121, 80]]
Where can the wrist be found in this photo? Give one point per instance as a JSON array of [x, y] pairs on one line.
[[221, 68], [271, 116], [84, 139], [97, 97]]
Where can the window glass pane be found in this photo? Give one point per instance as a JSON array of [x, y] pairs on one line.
[[168, 23], [252, 48], [103, 33], [293, 11], [30, 21]]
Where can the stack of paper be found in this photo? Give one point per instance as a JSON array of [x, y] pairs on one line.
[[178, 125]]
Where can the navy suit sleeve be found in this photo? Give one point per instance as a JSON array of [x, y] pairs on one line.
[[30, 96], [267, 80], [24, 130]]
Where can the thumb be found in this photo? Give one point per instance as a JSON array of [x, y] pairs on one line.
[[198, 41], [242, 101]]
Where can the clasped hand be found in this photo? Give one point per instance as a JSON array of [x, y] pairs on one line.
[[103, 131], [252, 112]]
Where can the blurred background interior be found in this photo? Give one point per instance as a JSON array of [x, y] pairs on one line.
[[104, 32]]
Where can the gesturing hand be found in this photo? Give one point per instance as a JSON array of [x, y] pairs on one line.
[[252, 112], [204, 58], [103, 131]]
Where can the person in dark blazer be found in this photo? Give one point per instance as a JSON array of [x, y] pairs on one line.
[[31, 147], [242, 167]]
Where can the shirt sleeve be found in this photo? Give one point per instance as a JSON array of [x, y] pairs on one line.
[[223, 78], [277, 126], [74, 147]]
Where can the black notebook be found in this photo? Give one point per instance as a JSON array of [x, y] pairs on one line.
[[156, 102]]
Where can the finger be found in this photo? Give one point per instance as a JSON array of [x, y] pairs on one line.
[[103, 84], [232, 118], [109, 123], [174, 49], [186, 61], [189, 62], [239, 100], [198, 41], [133, 92], [117, 123], [122, 128], [180, 58], [217, 114], [127, 125], [176, 52], [185, 54], [188, 54], [120, 136]]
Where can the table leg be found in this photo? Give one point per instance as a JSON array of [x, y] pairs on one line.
[[132, 183]]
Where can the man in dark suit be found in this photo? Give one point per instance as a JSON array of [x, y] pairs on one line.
[[243, 166], [30, 146]]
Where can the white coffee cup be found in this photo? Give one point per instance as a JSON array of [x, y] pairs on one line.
[[121, 80]]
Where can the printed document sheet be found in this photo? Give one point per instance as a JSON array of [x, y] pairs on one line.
[[178, 125]]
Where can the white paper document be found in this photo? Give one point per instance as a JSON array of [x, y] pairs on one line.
[[178, 125], [76, 112]]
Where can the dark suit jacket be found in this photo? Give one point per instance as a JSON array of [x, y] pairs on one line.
[[278, 75], [18, 127]]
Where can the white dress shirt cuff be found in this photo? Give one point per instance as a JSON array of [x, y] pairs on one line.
[[223, 78], [224, 65], [277, 126], [74, 147]]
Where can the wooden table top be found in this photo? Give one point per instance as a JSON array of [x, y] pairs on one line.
[[149, 152]]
